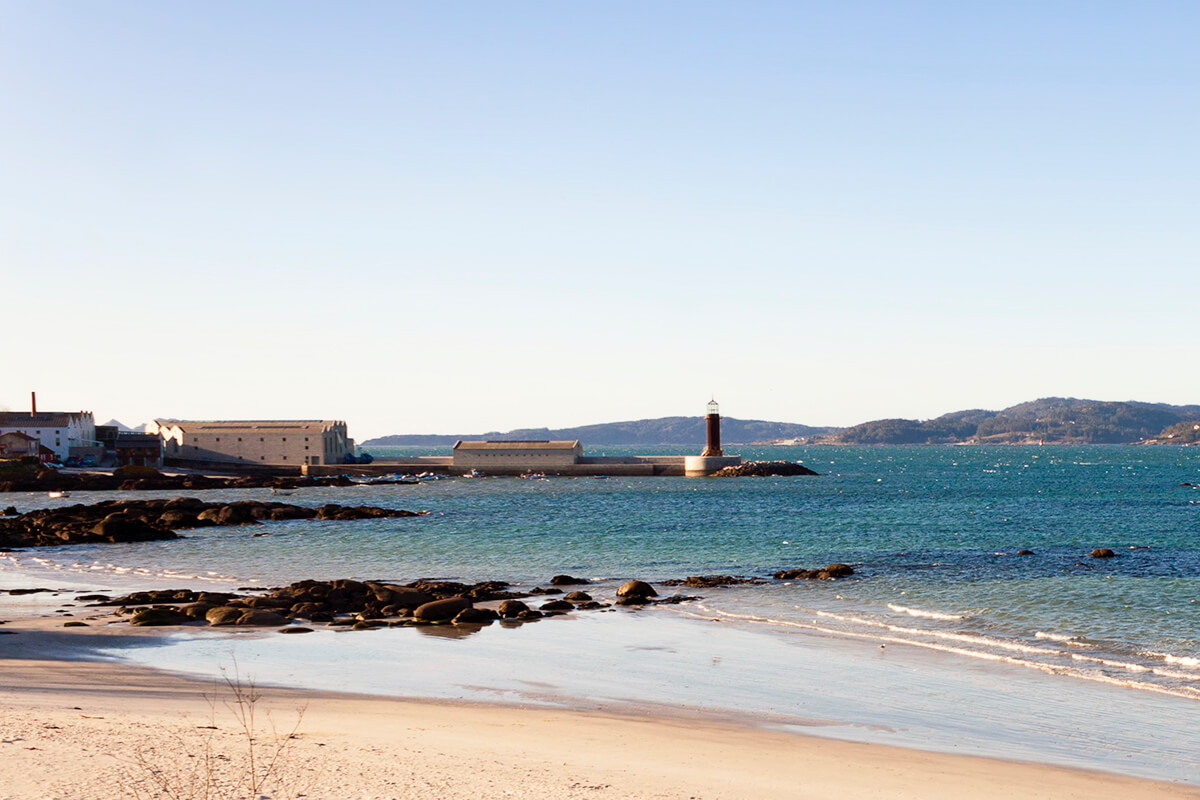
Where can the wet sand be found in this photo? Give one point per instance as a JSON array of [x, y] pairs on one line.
[[103, 729]]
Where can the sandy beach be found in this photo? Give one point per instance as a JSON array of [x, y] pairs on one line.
[[77, 729]]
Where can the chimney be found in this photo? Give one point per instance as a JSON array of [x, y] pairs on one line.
[[33, 397]]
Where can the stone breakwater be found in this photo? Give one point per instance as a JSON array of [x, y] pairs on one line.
[[148, 520]]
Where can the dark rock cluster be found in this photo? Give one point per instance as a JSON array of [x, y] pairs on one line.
[[51, 480], [831, 572], [146, 520], [761, 469], [356, 604], [711, 581], [363, 605]]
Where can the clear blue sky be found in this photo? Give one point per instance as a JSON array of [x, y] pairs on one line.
[[461, 217]]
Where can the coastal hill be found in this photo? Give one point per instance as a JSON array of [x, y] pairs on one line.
[[666, 430], [1061, 420], [1057, 420]]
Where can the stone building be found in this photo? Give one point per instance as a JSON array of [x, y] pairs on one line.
[[59, 431], [275, 443], [524, 455]]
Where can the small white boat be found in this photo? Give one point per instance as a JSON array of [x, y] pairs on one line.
[[63, 493], [282, 492]]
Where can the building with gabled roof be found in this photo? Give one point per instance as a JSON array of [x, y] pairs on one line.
[[274, 443], [15, 443], [58, 431]]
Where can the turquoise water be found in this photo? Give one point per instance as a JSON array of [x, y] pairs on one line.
[[932, 531]]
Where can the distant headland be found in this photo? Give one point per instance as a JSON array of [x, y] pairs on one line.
[[1051, 420]]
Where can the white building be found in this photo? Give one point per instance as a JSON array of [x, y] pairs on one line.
[[276, 443], [57, 430]]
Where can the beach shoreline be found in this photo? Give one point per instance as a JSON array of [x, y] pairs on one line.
[[74, 727]]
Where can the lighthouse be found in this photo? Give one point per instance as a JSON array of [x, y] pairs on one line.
[[712, 459], [712, 421]]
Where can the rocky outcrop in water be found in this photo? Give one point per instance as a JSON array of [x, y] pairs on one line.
[[147, 520], [762, 469], [711, 581], [51, 480], [831, 572]]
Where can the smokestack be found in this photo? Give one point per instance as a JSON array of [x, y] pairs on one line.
[[33, 397]]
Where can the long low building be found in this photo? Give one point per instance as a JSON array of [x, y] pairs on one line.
[[526, 456], [530, 456], [266, 443]]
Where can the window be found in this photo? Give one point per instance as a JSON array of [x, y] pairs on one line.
[[305, 447], [239, 438], [261, 439], [285, 458]]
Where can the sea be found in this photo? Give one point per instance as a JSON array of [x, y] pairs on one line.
[[977, 620]]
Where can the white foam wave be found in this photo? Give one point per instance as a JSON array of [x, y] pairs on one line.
[[1179, 661], [1044, 659], [920, 612]]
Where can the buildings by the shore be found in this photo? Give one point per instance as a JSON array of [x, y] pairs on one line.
[[553, 458], [63, 433], [253, 443]]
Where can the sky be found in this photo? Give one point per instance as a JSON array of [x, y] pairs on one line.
[[478, 216]]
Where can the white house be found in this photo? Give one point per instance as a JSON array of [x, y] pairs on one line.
[[57, 430]]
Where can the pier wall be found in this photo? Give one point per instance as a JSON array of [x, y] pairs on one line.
[[626, 466]]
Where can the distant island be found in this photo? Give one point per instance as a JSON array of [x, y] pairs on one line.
[[1051, 420]]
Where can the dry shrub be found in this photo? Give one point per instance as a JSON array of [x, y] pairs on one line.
[[250, 762]]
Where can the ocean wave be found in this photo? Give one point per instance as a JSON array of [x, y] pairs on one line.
[[919, 612], [1180, 661], [1049, 660]]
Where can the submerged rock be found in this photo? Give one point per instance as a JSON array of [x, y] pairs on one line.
[[831, 572], [711, 581]]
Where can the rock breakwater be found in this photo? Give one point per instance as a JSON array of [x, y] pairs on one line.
[[762, 469]]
